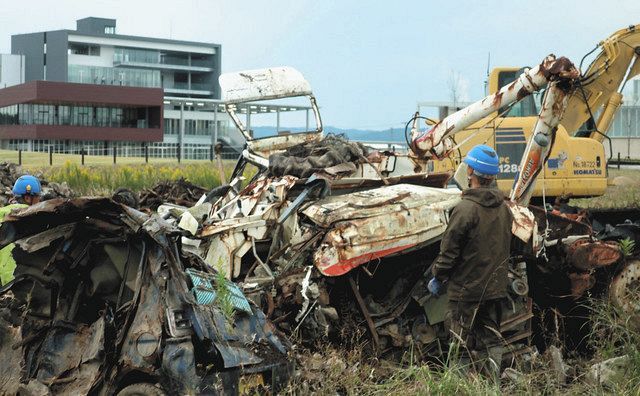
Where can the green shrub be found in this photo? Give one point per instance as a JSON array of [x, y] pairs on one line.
[[103, 179]]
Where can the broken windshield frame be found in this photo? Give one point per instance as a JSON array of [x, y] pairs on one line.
[[265, 84]]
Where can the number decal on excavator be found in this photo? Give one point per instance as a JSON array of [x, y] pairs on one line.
[[508, 168], [510, 145]]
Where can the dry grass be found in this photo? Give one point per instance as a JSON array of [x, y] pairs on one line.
[[103, 179], [622, 196], [335, 370]]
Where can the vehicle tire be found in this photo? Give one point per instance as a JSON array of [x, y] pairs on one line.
[[141, 390]]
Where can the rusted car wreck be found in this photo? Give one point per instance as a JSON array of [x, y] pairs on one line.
[[106, 301], [330, 237]]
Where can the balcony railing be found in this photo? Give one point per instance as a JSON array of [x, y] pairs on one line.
[[157, 59], [193, 87]]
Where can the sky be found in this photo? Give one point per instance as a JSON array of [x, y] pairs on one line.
[[368, 62]]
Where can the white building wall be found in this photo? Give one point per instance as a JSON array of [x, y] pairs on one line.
[[140, 43], [627, 147], [11, 70], [104, 60]]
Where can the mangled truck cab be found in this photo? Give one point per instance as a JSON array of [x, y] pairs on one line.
[[255, 86], [332, 238], [105, 300]]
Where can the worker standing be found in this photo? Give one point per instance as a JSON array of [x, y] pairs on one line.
[[473, 262], [26, 192]]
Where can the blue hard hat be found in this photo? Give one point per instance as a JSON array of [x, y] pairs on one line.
[[483, 159], [27, 185]]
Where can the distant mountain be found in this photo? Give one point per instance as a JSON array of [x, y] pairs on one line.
[[361, 135]]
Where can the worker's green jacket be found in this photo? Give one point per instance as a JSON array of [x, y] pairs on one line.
[[7, 264], [475, 248]]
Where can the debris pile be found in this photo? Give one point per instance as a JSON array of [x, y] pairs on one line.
[[305, 159], [180, 192], [105, 301], [10, 172]]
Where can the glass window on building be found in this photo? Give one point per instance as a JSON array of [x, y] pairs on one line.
[[81, 115], [136, 55], [9, 115], [43, 114], [113, 76], [25, 114], [102, 117], [171, 126], [83, 49], [63, 115], [116, 117]]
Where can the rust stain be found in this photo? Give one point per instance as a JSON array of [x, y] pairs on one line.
[[497, 99], [586, 255], [522, 93], [580, 283]]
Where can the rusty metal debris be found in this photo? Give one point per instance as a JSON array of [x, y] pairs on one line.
[[330, 239], [104, 298], [624, 289], [179, 192]]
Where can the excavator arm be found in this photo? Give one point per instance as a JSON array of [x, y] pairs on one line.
[[603, 82], [560, 77], [437, 141], [539, 145]]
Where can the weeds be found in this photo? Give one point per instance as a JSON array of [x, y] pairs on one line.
[[223, 297], [615, 334], [628, 246], [620, 196], [100, 180]]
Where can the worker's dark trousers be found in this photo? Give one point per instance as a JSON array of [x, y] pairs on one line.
[[475, 326]]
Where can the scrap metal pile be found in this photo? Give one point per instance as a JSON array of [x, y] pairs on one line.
[[106, 301], [305, 159], [329, 239], [179, 192]]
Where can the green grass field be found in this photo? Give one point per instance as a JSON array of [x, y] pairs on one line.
[[104, 179], [624, 195], [100, 175]]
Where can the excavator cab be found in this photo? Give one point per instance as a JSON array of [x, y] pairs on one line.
[[527, 107]]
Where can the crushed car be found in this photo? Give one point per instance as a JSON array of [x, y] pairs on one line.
[[332, 238], [105, 300]]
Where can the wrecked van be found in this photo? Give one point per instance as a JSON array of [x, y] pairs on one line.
[[106, 301]]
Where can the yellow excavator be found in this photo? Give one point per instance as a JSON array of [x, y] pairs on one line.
[[577, 165]]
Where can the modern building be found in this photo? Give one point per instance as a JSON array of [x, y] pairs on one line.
[[94, 53], [11, 70], [72, 118], [625, 130]]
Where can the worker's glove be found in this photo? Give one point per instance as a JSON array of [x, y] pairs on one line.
[[435, 287]]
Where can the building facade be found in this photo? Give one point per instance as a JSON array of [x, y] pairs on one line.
[[625, 129], [75, 118], [95, 54], [11, 70]]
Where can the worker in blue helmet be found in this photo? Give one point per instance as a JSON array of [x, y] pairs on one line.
[[26, 191], [473, 264]]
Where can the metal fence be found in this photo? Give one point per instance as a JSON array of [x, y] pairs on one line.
[[121, 154]]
